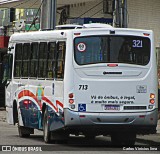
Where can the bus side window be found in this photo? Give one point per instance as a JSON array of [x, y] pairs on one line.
[[33, 60], [7, 68], [61, 47], [42, 57], [25, 62], [51, 62], [18, 61]]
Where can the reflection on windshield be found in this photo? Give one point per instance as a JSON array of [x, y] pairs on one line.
[[112, 49]]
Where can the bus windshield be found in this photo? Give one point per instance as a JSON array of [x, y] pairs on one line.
[[112, 49]]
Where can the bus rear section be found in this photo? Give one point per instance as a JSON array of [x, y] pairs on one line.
[[114, 88]]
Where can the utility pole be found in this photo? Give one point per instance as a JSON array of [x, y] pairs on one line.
[[48, 14], [125, 14], [120, 14]]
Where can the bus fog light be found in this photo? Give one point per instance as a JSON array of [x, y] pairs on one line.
[[72, 106], [150, 107]]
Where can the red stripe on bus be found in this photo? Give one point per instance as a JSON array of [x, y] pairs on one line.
[[27, 93], [30, 94], [59, 103], [49, 102]]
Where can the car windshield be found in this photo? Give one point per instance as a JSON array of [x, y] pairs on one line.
[[112, 49]]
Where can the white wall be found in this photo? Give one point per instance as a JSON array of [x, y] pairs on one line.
[[78, 10], [92, 9], [145, 14]]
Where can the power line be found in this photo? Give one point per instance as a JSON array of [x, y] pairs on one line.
[[28, 7], [33, 22], [96, 13], [4, 1], [18, 5], [90, 9], [34, 3]]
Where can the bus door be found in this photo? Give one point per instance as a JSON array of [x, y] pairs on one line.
[[7, 80]]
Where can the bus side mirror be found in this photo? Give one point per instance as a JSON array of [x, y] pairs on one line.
[[10, 48]]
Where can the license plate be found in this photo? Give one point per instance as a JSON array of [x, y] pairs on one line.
[[112, 107]]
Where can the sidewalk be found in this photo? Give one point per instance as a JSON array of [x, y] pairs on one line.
[[158, 126], [2, 114]]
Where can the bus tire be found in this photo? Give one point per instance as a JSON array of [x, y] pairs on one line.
[[15, 113], [23, 131], [46, 132], [127, 139]]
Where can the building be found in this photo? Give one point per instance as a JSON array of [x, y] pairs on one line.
[[142, 14]]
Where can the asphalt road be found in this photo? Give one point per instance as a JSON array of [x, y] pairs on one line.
[[9, 137]]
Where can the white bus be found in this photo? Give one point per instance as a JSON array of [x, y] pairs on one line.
[[90, 81]]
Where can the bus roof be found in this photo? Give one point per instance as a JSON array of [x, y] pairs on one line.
[[62, 34]]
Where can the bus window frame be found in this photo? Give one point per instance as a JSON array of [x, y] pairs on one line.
[[7, 68], [28, 59], [51, 60], [109, 52], [42, 60], [15, 54], [60, 60], [59, 48]]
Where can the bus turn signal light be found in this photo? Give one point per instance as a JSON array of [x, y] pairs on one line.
[[77, 34], [146, 34], [71, 98], [152, 96]]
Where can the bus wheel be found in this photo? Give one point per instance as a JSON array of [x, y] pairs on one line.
[[127, 139], [24, 131], [46, 132]]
